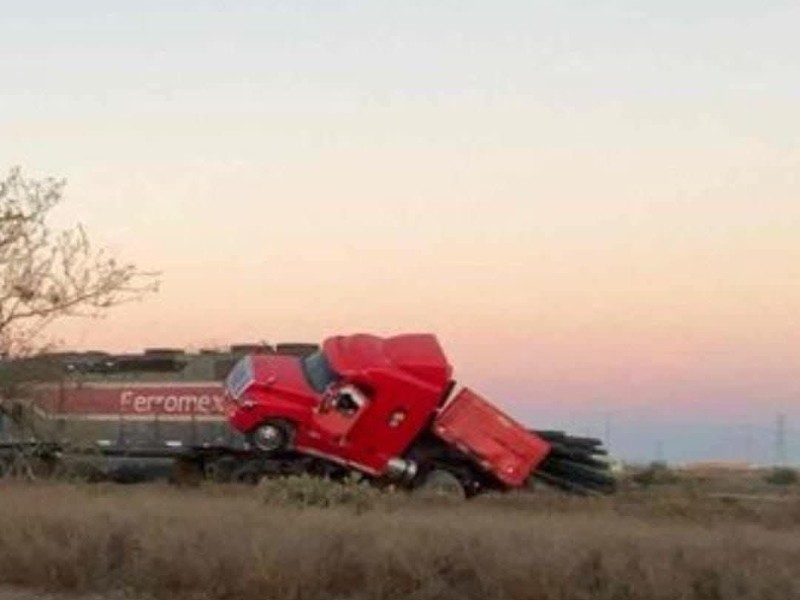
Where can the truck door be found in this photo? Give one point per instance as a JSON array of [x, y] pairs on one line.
[[339, 410]]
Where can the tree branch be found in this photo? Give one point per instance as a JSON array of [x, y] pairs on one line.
[[47, 274]]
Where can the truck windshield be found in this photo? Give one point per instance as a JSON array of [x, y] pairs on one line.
[[318, 371]]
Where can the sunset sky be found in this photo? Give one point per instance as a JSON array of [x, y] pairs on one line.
[[596, 206]]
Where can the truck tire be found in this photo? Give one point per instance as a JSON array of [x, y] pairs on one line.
[[442, 483], [272, 437]]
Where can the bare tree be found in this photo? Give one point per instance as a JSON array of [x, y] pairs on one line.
[[47, 274]]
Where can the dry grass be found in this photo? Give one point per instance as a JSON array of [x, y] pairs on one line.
[[242, 543]]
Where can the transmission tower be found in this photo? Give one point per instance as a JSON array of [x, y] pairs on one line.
[[780, 440], [660, 451], [748, 444], [607, 430]]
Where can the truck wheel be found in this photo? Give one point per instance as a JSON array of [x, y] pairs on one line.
[[441, 483], [272, 436]]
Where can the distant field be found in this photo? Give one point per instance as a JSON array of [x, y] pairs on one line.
[[281, 541]]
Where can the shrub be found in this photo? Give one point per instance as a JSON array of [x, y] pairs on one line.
[[782, 476], [657, 473], [222, 543], [305, 491]]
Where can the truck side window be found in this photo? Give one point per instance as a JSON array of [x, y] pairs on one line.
[[350, 400], [318, 371], [346, 405]]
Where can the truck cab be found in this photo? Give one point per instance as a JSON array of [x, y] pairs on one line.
[[360, 400], [381, 406]]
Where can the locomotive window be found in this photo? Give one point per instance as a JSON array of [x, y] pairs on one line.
[[318, 371]]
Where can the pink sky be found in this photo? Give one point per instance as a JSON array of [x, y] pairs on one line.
[[596, 208], [630, 299]]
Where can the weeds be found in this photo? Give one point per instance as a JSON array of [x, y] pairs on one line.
[[232, 542], [305, 491], [782, 476]]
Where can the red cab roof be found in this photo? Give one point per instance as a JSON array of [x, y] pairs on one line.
[[418, 354]]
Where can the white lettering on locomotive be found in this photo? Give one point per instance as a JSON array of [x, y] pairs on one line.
[[142, 403]]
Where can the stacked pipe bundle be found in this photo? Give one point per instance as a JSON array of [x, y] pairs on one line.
[[575, 464]]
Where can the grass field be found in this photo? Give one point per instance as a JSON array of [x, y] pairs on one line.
[[306, 541]]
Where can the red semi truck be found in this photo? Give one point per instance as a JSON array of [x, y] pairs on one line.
[[389, 408]]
